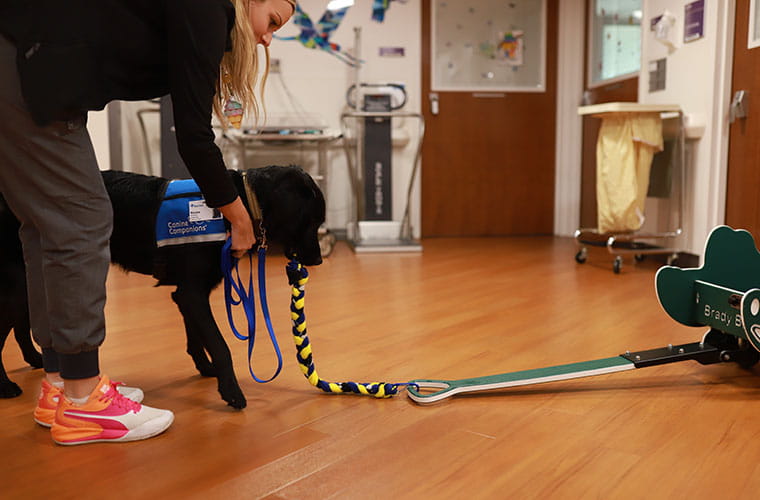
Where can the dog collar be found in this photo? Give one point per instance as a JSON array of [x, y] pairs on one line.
[[256, 213], [253, 202]]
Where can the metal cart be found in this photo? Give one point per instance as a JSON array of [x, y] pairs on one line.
[[642, 243]]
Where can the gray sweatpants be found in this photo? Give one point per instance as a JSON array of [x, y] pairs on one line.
[[50, 178]]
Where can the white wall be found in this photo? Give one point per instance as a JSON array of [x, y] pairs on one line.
[[698, 79], [97, 126], [569, 133]]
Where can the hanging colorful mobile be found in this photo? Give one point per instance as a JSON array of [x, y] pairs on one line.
[[378, 10], [319, 37]]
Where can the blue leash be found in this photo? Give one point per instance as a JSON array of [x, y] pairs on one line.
[[247, 300]]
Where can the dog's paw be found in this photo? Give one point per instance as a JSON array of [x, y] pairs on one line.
[[34, 359], [9, 390], [232, 394]]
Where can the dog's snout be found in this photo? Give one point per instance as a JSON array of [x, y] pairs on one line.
[[310, 260], [306, 258]]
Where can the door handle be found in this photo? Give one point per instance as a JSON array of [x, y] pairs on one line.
[[433, 96], [739, 106]]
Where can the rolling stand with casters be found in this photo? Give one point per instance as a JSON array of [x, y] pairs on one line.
[[373, 228], [639, 244]]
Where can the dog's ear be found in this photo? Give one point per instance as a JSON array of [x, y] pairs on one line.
[[262, 180], [291, 179], [306, 185]]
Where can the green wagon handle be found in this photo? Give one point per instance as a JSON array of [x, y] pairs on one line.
[[448, 388], [715, 347]]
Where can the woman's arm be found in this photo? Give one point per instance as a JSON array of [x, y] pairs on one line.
[[197, 32], [197, 35], [243, 237]]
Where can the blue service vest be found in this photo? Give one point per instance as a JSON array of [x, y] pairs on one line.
[[184, 217]]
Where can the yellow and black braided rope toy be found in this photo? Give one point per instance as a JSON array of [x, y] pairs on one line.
[[298, 276]]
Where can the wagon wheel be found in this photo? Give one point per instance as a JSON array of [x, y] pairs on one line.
[[617, 264], [581, 256]]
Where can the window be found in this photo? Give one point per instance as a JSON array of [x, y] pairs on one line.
[[614, 40], [754, 25]]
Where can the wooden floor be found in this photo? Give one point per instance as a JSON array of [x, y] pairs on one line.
[[463, 308]]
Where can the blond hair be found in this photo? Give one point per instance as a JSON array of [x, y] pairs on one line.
[[239, 69]]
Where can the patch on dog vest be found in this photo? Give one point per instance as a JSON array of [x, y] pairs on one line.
[[184, 216]]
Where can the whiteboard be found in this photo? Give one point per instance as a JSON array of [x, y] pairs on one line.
[[488, 45]]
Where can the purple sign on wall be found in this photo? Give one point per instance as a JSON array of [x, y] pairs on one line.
[[694, 21]]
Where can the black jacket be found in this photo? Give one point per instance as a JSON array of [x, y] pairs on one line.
[[78, 55]]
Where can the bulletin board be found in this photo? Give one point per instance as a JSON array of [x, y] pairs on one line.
[[489, 45]]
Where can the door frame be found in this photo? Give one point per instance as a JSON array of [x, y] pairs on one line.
[[571, 83], [715, 213], [569, 128]]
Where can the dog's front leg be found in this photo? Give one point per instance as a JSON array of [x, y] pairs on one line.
[[197, 352], [22, 332], [8, 389], [193, 303]]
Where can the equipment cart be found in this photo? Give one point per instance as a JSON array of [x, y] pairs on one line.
[[669, 168], [371, 183]]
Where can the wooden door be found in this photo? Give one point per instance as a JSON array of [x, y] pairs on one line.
[[743, 185], [622, 91], [488, 158]]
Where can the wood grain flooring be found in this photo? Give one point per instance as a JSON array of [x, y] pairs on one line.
[[463, 308]]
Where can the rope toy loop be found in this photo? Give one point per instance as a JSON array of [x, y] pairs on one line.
[[298, 276]]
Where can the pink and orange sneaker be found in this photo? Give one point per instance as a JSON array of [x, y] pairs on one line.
[[44, 413], [107, 416]]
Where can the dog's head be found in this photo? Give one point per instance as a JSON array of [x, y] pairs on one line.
[[293, 209]]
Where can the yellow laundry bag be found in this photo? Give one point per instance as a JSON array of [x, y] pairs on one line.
[[624, 150]]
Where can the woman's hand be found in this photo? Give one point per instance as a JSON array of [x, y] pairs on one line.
[[243, 237]]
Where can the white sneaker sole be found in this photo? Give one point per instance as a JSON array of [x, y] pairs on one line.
[[147, 430], [43, 424]]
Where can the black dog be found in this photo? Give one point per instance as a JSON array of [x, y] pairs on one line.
[[293, 209], [14, 309]]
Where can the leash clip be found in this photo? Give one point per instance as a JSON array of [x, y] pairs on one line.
[[263, 242]]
